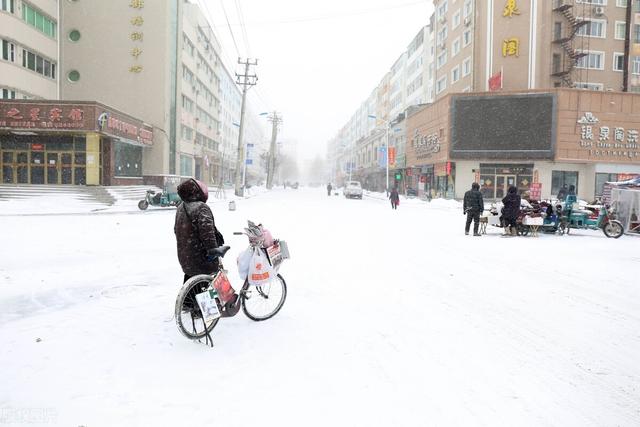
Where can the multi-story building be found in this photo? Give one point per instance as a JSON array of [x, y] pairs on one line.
[[231, 101], [29, 49], [515, 45]]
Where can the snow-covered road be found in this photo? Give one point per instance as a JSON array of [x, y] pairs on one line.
[[392, 318]]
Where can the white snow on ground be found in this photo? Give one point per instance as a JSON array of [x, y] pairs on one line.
[[392, 318]]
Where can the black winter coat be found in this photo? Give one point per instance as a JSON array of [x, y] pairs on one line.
[[511, 204], [473, 201], [394, 196], [195, 230]]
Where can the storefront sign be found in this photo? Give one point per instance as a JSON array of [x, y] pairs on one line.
[[607, 141], [392, 156], [37, 147], [425, 145], [137, 35]]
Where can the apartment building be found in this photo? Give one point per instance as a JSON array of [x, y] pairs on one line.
[[231, 101], [29, 49], [534, 44]]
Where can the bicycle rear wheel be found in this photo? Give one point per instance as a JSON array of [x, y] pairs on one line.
[[263, 302], [188, 315]]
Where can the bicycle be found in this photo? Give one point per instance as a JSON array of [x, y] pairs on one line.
[[204, 299]]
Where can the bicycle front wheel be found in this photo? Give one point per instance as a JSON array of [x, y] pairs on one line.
[[263, 302], [189, 318]]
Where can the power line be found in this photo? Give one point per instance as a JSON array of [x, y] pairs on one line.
[[243, 26], [229, 26]]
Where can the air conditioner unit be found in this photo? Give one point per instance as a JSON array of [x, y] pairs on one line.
[[598, 11], [467, 22]]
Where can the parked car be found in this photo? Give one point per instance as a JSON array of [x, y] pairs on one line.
[[352, 189]]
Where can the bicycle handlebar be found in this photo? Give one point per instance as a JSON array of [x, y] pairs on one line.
[[238, 233]]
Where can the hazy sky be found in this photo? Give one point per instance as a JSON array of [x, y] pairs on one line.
[[317, 60]]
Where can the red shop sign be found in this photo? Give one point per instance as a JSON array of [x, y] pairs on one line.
[[423, 179], [37, 147]]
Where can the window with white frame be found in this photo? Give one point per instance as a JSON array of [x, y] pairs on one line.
[[618, 61], [468, 7], [442, 9], [593, 28], [455, 47], [441, 84], [442, 59], [442, 34], [455, 74], [8, 51], [466, 67], [600, 2], [7, 5], [635, 65], [621, 3], [621, 30], [466, 38], [592, 61], [456, 20], [589, 86]]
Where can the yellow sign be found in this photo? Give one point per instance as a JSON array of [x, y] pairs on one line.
[[137, 4], [135, 69], [136, 36], [135, 52], [511, 47], [137, 21], [510, 9]]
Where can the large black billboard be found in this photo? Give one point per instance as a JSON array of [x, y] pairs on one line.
[[518, 127]]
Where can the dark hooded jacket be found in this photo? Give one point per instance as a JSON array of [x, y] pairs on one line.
[[394, 196], [511, 203], [472, 201], [195, 230]]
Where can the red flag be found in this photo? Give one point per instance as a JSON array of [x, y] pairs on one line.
[[495, 82]]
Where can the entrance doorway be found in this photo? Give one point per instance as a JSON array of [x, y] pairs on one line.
[[503, 182], [42, 167]]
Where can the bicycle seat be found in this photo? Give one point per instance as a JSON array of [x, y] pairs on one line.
[[218, 252]]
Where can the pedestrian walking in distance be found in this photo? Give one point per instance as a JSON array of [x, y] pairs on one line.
[[473, 206], [395, 198], [329, 188]]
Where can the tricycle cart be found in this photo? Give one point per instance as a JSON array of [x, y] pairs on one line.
[[169, 194]]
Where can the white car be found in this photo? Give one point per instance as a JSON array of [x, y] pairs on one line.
[[353, 189]]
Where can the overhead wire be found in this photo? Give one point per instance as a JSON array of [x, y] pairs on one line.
[[233, 37], [243, 27]]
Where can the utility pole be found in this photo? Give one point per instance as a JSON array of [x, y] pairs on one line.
[[245, 80], [275, 121], [627, 46]]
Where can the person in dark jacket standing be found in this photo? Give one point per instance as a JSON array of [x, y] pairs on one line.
[[329, 188], [511, 211], [395, 198], [195, 230], [473, 206]]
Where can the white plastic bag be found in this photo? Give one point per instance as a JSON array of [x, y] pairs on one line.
[[244, 263], [260, 272]]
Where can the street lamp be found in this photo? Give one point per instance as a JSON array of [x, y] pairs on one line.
[[388, 126]]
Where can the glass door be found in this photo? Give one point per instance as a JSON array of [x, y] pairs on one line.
[[8, 174], [22, 166], [53, 168], [66, 168], [503, 182], [37, 167]]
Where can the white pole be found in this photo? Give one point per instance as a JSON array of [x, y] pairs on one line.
[[244, 169], [388, 138]]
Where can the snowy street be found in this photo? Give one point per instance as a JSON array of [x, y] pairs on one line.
[[392, 318]]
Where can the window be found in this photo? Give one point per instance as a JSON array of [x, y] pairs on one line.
[[187, 133], [73, 76], [7, 94], [618, 61], [636, 33], [556, 63], [442, 59], [74, 35], [557, 30], [8, 51], [466, 38], [187, 104], [560, 178], [127, 159], [467, 8], [621, 30], [635, 64], [187, 45], [442, 9], [593, 61], [589, 86], [441, 84], [593, 28], [455, 47], [442, 34], [38, 20], [38, 64], [186, 165], [466, 67], [601, 179], [602, 2], [455, 74], [621, 3], [7, 5], [456, 20]]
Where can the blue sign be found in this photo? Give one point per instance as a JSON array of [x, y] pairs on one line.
[[249, 145], [382, 156], [249, 161]]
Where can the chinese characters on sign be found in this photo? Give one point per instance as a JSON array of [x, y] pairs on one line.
[[43, 117], [511, 47], [605, 141], [425, 145], [137, 35], [510, 9]]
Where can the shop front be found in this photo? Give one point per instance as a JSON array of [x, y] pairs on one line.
[[67, 143]]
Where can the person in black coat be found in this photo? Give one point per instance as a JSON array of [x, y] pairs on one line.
[[473, 206], [329, 188], [195, 230], [511, 210], [395, 198]]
